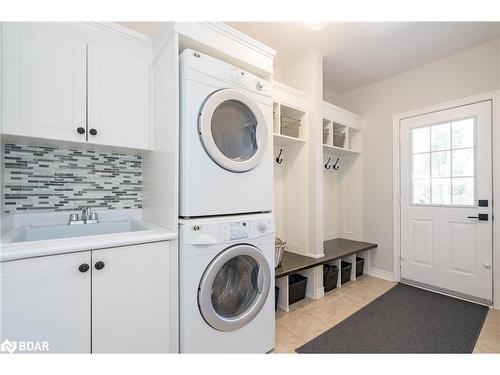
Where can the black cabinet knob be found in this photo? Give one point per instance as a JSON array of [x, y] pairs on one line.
[[83, 267], [93, 131], [80, 130], [99, 265]]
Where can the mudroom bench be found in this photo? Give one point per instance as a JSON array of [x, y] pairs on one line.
[[338, 252]]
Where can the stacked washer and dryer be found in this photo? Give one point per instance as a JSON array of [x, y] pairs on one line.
[[226, 231]]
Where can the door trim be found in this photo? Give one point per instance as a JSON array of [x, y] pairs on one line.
[[494, 97]]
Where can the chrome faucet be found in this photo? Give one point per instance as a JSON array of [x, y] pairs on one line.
[[87, 217]]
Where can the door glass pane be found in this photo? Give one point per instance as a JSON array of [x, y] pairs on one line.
[[421, 165], [422, 191], [441, 191], [441, 164], [440, 137], [463, 162], [462, 133], [421, 139], [463, 191], [234, 129], [235, 286]]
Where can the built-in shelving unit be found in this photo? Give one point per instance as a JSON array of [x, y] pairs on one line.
[[301, 192], [340, 128], [290, 128]]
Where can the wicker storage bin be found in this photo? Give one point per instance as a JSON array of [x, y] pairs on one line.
[[290, 127]]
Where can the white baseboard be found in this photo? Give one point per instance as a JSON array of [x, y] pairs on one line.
[[318, 293], [381, 274]]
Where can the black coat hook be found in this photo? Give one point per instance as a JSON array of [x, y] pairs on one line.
[[328, 162], [335, 165], [279, 160]]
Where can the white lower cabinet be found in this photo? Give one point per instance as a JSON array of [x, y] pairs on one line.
[[130, 299], [103, 301], [47, 299]]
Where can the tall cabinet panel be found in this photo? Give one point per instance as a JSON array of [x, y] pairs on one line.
[[44, 73], [118, 89], [47, 299]]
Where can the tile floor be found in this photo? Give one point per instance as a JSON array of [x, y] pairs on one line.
[[307, 319]]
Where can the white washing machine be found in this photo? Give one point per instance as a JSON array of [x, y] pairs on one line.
[[226, 142], [227, 284]]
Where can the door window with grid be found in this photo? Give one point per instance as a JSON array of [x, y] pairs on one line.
[[443, 163]]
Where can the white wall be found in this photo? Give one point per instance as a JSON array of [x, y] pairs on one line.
[[467, 73]]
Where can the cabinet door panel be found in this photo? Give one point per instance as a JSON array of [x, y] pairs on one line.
[[131, 299], [118, 100], [47, 299], [44, 82]]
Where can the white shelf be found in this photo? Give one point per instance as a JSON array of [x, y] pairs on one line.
[[338, 150], [285, 140]]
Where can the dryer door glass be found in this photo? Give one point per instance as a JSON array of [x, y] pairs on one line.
[[233, 130], [234, 287]]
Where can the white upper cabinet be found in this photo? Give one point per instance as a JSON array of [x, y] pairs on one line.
[[44, 86], [75, 83], [47, 299], [118, 109]]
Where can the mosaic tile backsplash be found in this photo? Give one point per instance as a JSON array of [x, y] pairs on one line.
[[57, 179]]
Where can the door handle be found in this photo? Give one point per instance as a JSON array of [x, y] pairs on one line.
[[260, 280], [480, 217]]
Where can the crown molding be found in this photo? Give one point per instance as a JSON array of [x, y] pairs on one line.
[[123, 31], [289, 90], [244, 39]]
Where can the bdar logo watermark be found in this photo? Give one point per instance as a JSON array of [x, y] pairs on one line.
[[8, 346]]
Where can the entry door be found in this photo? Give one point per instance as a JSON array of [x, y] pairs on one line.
[[446, 201]]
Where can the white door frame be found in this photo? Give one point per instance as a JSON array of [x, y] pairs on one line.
[[494, 96]]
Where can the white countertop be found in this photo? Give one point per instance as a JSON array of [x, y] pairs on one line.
[[29, 249]]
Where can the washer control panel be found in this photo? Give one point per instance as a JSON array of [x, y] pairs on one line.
[[238, 230], [241, 230]]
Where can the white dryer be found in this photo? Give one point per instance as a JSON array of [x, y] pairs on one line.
[[225, 139], [227, 284]]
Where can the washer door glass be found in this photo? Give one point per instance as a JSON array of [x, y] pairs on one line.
[[234, 287], [233, 130]]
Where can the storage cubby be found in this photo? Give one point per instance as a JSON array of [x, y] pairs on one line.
[[289, 124]]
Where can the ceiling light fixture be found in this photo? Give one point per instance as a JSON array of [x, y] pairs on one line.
[[315, 26]]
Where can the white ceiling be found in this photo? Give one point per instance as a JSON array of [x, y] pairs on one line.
[[360, 53]]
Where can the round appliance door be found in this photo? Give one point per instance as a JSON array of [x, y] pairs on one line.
[[234, 287], [233, 130]]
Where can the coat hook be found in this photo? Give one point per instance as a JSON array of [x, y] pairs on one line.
[[335, 165], [328, 162], [279, 160]]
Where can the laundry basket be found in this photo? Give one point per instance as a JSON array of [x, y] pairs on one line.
[[279, 250]]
